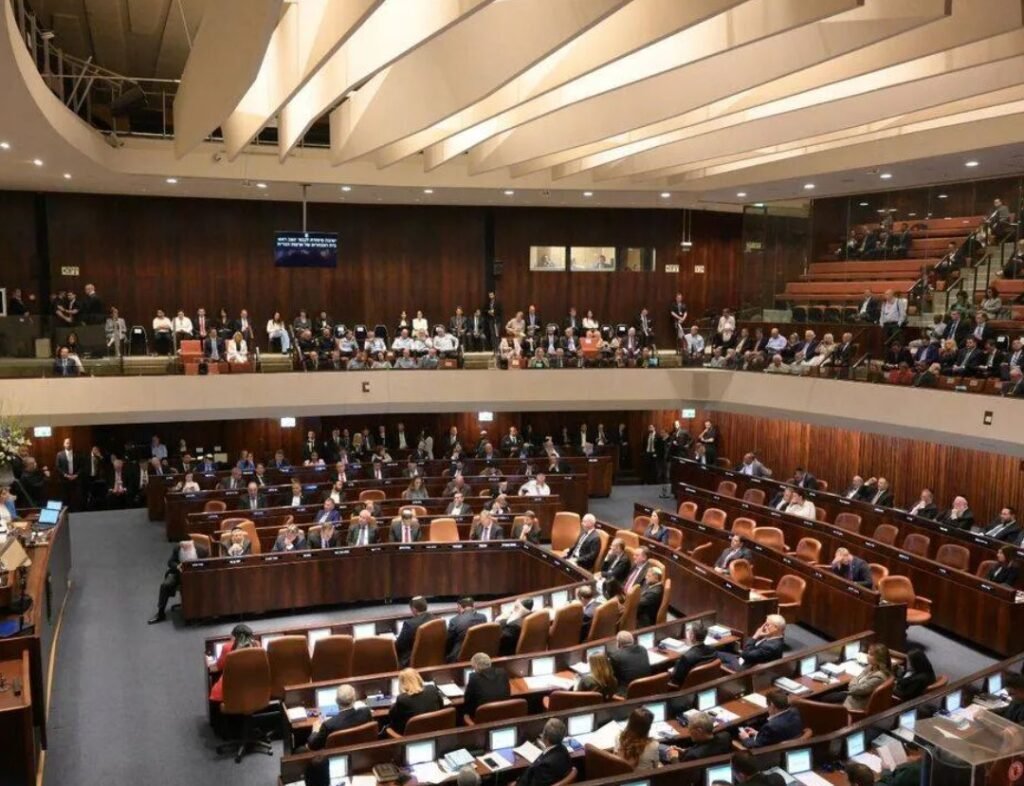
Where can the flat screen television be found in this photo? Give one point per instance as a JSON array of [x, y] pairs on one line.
[[306, 249]]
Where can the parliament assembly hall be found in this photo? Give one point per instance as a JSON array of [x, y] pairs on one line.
[[709, 469]]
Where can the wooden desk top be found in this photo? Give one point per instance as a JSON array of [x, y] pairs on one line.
[[15, 668]]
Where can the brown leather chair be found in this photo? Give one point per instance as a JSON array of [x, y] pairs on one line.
[[249, 528], [648, 686], [640, 524], [228, 524], [430, 645], [880, 701], [714, 517], [356, 735], [372, 495], [771, 537], [820, 514], [705, 672], [851, 522], [899, 589], [214, 506], [878, 572], [332, 658], [443, 530], [742, 572], [565, 530], [666, 596], [916, 543], [754, 496], [606, 621], [605, 540], [374, 655], [426, 723], [202, 541], [675, 538], [629, 538], [822, 485], [566, 627], [498, 711], [534, 635], [703, 554], [485, 637], [289, 663], [598, 763], [821, 717], [628, 619], [727, 488], [790, 594], [687, 510], [246, 692], [886, 533], [984, 567], [743, 527], [808, 550], [954, 556], [416, 510], [562, 700]]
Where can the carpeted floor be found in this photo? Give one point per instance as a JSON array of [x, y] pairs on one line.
[[129, 703]]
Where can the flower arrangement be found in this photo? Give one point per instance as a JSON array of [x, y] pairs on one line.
[[12, 439]]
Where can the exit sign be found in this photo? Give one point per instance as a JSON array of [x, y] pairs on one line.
[[69, 270]]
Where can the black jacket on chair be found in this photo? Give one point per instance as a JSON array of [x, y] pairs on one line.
[[405, 640], [630, 663], [458, 626], [697, 655], [549, 768], [483, 687], [409, 705], [343, 720]]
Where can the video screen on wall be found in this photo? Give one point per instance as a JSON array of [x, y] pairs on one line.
[[306, 249], [595, 259], [547, 257]]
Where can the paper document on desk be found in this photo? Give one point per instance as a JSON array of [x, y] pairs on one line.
[[656, 657], [722, 715], [529, 751], [811, 778], [894, 748], [870, 759], [853, 668], [757, 699], [663, 730], [605, 738], [450, 690], [296, 714], [675, 645], [582, 668], [429, 772], [546, 681], [361, 780]]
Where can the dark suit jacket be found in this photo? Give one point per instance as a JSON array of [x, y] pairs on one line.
[[615, 567], [409, 705], [1009, 534], [509, 637], [316, 542], [868, 495], [346, 719], [484, 687], [588, 550], [1004, 574], [404, 642], [857, 571], [458, 626], [396, 531], [966, 520], [630, 663], [353, 534], [910, 686], [761, 651], [787, 725], [718, 745], [695, 656], [243, 502], [497, 532], [549, 768], [323, 515], [65, 368], [650, 600], [532, 537], [729, 555], [62, 463]]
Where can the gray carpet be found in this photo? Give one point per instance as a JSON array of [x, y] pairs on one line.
[[129, 703]]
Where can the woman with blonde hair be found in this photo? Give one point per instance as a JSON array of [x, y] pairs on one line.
[[601, 678], [414, 698], [238, 350]]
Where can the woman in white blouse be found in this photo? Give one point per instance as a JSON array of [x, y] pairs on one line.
[[277, 329], [189, 483], [590, 321], [238, 350], [419, 322]]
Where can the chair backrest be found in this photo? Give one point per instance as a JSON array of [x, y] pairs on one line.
[[849, 521], [202, 540], [570, 778], [808, 550], [249, 528], [878, 572], [601, 764], [771, 537], [648, 686], [356, 735], [246, 681], [485, 637], [727, 488], [820, 514], [628, 619], [429, 646], [743, 526], [886, 533], [372, 495], [675, 538], [605, 540], [560, 700], [821, 717], [228, 524], [443, 530], [666, 595], [954, 556], [605, 621], [985, 566], [705, 672], [703, 554], [431, 721], [741, 572], [822, 485], [897, 589], [374, 655], [640, 524], [500, 710], [534, 635], [214, 506], [790, 593], [190, 347], [687, 510], [754, 496], [629, 538], [565, 530], [714, 517], [566, 627], [332, 658], [289, 663], [416, 510], [881, 698], [916, 543]]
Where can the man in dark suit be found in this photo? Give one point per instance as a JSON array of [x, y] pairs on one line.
[[554, 763], [64, 365], [784, 723], [457, 325], [765, 646], [405, 528], [234, 481], [645, 327], [364, 531], [957, 329], [1014, 386], [929, 377], [705, 740], [253, 499], [1014, 711], [852, 568], [588, 544], [487, 528], [804, 479], [290, 539], [638, 572], [324, 538], [458, 506], [616, 564], [310, 446], [69, 467], [185, 551], [487, 683], [348, 717], [736, 550], [511, 442], [870, 308], [629, 660], [748, 772], [1005, 527], [534, 324], [925, 506], [650, 598], [572, 323], [959, 516], [407, 636], [698, 654], [968, 359], [512, 625], [460, 624], [877, 492]]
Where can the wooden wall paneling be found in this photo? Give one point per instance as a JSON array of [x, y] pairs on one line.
[[19, 264]]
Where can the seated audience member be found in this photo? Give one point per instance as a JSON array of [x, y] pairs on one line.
[[852, 568], [748, 771], [163, 332], [348, 717], [458, 506], [114, 330], [291, 539], [364, 531], [704, 741], [1014, 267], [65, 365], [635, 743], [584, 552], [414, 698], [752, 467], [601, 677], [629, 660], [487, 683], [798, 506], [406, 360], [959, 515], [734, 551], [465, 618], [487, 528], [234, 481], [512, 625], [616, 562], [237, 349], [242, 638], [416, 490], [765, 646], [296, 497], [968, 360], [1014, 711], [777, 366], [1005, 526], [784, 723], [803, 479], [925, 505], [694, 343], [929, 377], [526, 528], [238, 543], [655, 530], [276, 329], [457, 485], [638, 570], [781, 500], [407, 635], [185, 551], [857, 693], [698, 654], [252, 499], [650, 597], [405, 528], [499, 505], [914, 676], [328, 513], [1007, 568], [536, 486], [1014, 386], [554, 764], [324, 538]]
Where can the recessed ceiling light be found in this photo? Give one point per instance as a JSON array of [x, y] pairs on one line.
[[863, 204], [971, 163], [37, 161], [346, 188], [172, 180], [67, 175], [759, 204], [428, 191], [741, 194], [5, 145], [943, 196], [886, 175], [261, 185], [808, 186], [588, 193], [665, 194], [509, 192]]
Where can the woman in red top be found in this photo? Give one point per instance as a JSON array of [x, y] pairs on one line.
[[241, 637]]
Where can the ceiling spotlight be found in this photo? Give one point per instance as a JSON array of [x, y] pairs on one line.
[[261, 185], [886, 175], [172, 180], [588, 193], [943, 196], [67, 175], [971, 163], [428, 191], [665, 194], [5, 145], [741, 194], [863, 204], [509, 192], [346, 188], [759, 204], [37, 161], [808, 186]]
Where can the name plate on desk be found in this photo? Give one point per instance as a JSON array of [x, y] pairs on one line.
[[236, 561], [512, 545], [307, 555], [405, 548], [212, 517], [192, 495], [456, 546], [196, 564], [271, 558], [904, 557], [700, 570], [340, 552], [843, 501], [592, 461], [853, 591]]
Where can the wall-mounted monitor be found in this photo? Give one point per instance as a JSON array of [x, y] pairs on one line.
[[592, 259], [547, 258], [306, 249]]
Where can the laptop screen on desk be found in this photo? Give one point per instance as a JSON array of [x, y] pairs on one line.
[[337, 767], [855, 744], [720, 773], [48, 516], [851, 650], [808, 666], [364, 630], [326, 697], [908, 720], [953, 702], [419, 752], [995, 683], [559, 599], [54, 504], [503, 738], [581, 724], [706, 699], [657, 710], [542, 667], [646, 640], [798, 761]]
